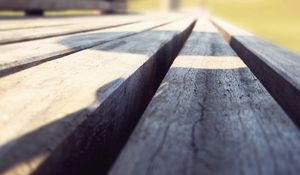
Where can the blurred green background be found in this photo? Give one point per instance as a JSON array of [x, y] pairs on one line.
[[275, 20]]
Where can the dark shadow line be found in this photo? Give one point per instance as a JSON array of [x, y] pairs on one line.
[[33, 138], [286, 94], [99, 139], [288, 98], [105, 131], [19, 67]]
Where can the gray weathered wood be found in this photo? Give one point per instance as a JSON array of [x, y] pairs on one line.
[[103, 87], [19, 56], [278, 69], [211, 116], [52, 31], [41, 22]]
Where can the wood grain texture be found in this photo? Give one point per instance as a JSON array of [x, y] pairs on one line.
[[17, 23], [211, 116], [21, 35], [278, 69], [19, 56], [52, 99]]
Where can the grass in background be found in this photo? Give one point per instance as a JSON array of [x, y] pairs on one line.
[[275, 20], [7, 13], [141, 5]]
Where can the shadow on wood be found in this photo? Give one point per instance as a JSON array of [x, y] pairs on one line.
[[96, 142], [211, 121]]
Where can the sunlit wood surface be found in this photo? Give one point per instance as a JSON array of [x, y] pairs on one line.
[[155, 93]]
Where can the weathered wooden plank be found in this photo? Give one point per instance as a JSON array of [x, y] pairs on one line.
[[211, 116], [27, 29], [19, 56], [104, 88], [10, 25], [40, 22], [115, 6], [278, 69], [18, 23], [52, 31]]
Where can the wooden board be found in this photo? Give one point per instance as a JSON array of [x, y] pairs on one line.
[[211, 116], [103, 87], [19, 56], [17, 23], [278, 69], [52, 31]]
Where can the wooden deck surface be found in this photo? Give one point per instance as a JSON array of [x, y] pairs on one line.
[[211, 116], [102, 95]]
